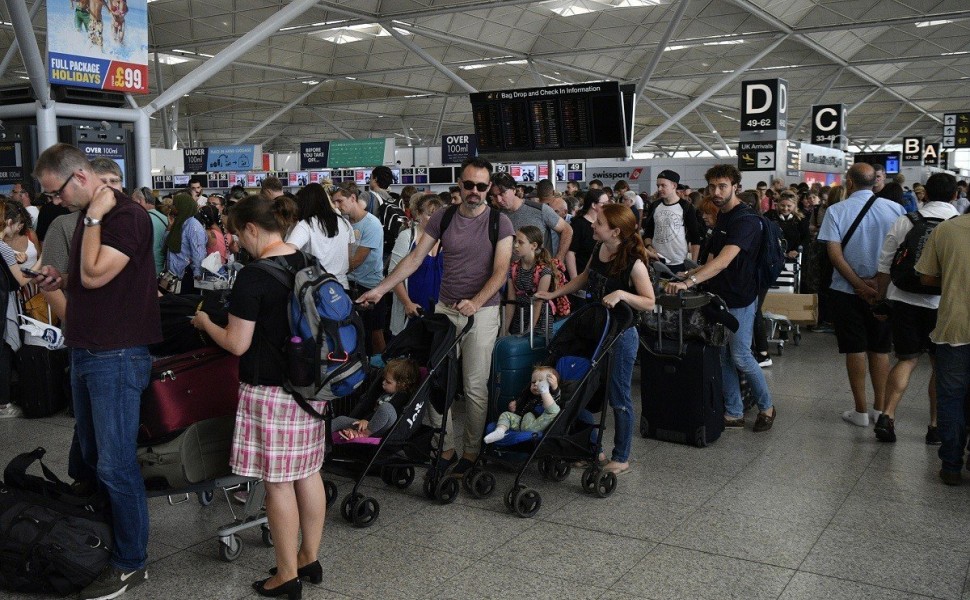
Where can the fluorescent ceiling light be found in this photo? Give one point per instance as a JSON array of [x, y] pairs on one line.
[[933, 23], [311, 82], [170, 59], [571, 10], [731, 42], [955, 53], [319, 24], [354, 33], [494, 63]]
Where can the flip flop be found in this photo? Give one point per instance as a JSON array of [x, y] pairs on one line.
[[618, 471]]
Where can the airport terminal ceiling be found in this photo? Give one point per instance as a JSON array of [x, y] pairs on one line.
[[404, 68]]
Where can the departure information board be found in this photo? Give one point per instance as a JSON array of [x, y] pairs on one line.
[[568, 121]]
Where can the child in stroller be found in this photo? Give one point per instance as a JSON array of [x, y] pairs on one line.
[[521, 416], [401, 379]]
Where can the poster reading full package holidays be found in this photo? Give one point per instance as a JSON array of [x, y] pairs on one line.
[[101, 44]]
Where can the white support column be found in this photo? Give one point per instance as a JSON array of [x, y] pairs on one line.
[[441, 119], [278, 113], [46, 126], [224, 58], [24, 30], [143, 149], [15, 46], [434, 62], [673, 120]]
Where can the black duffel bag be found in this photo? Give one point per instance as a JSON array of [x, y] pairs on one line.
[[51, 541]]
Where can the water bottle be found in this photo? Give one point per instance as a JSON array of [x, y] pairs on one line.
[[301, 361]]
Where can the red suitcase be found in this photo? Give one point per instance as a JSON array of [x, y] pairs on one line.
[[186, 389]]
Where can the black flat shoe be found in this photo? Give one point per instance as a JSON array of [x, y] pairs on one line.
[[292, 589], [312, 572]]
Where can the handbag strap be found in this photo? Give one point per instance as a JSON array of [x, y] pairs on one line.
[[858, 220]]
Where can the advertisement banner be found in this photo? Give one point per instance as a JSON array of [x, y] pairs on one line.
[[115, 152], [231, 158], [313, 155], [455, 149], [101, 44]]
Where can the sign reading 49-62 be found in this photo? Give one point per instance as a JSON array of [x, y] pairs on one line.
[[100, 44]]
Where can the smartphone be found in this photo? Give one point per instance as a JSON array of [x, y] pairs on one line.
[[31, 272]]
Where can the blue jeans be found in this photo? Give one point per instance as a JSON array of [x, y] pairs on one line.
[[107, 387], [735, 356], [952, 384], [619, 392]]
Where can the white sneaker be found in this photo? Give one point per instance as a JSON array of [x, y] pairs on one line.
[[10, 411], [765, 363], [856, 418]]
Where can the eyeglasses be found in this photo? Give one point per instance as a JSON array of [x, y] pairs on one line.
[[471, 185], [60, 190]]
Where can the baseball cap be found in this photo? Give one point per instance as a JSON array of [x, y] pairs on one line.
[[669, 175]]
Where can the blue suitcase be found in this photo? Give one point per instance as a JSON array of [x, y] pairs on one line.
[[513, 359]]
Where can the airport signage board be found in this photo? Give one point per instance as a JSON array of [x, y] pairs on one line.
[[931, 155], [828, 125], [956, 130], [313, 155], [764, 105], [92, 44], [456, 149], [757, 156], [913, 150]]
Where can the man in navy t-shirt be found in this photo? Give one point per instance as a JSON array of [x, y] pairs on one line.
[[731, 272]]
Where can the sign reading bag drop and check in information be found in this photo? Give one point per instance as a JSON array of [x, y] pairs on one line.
[[98, 44]]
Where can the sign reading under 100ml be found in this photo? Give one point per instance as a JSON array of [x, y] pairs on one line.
[[101, 44]]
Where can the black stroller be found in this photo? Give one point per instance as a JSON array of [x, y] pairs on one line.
[[581, 353], [411, 442]]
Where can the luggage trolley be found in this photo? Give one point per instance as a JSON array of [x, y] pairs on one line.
[[779, 327]]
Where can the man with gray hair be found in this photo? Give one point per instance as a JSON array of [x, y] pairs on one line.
[[109, 172], [114, 316], [854, 230]]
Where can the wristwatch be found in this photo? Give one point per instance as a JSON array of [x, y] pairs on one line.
[[89, 222], [693, 279]]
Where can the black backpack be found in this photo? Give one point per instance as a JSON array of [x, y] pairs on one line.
[[51, 541], [771, 253], [392, 220], [902, 271]]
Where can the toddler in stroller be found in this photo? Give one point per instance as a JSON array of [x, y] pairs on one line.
[[401, 379], [521, 416]]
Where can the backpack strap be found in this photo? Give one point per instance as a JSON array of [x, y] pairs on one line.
[[914, 217], [494, 217]]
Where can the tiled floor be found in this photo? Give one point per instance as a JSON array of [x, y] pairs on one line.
[[814, 508]]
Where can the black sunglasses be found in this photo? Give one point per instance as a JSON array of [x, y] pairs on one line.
[[471, 185]]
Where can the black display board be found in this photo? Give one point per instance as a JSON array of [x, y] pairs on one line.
[[890, 160], [568, 121]]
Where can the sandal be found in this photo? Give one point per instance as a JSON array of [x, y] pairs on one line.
[[616, 469]]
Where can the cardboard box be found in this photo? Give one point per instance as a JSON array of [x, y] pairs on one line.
[[801, 309]]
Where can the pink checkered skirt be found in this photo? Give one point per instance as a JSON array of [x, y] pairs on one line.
[[275, 440]]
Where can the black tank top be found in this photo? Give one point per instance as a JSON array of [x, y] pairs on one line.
[[601, 283]]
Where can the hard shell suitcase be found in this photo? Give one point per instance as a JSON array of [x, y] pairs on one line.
[[186, 389], [198, 454], [43, 380], [513, 358], [680, 387]]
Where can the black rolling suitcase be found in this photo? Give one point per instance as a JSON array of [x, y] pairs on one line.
[[43, 380], [680, 381]]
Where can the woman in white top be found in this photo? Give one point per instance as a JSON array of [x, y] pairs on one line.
[[406, 301], [16, 233], [322, 232]]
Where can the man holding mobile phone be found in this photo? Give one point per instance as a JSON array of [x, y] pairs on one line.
[[112, 318]]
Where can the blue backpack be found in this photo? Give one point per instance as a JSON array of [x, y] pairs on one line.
[[326, 348], [771, 254]]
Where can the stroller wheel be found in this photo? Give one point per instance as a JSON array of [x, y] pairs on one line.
[[331, 490], [527, 502], [447, 490], [366, 512], [430, 484], [510, 497], [605, 484], [205, 498], [348, 505], [480, 484], [546, 464], [588, 480], [399, 477], [560, 470]]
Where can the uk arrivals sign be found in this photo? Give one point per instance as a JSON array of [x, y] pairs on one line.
[[101, 44]]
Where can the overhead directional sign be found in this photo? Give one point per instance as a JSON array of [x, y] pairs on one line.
[[931, 155], [828, 125], [757, 156], [764, 104], [913, 150], [956, 130]]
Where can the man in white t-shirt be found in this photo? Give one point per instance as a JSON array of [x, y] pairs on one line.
[[671, 229], [913, 315]]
